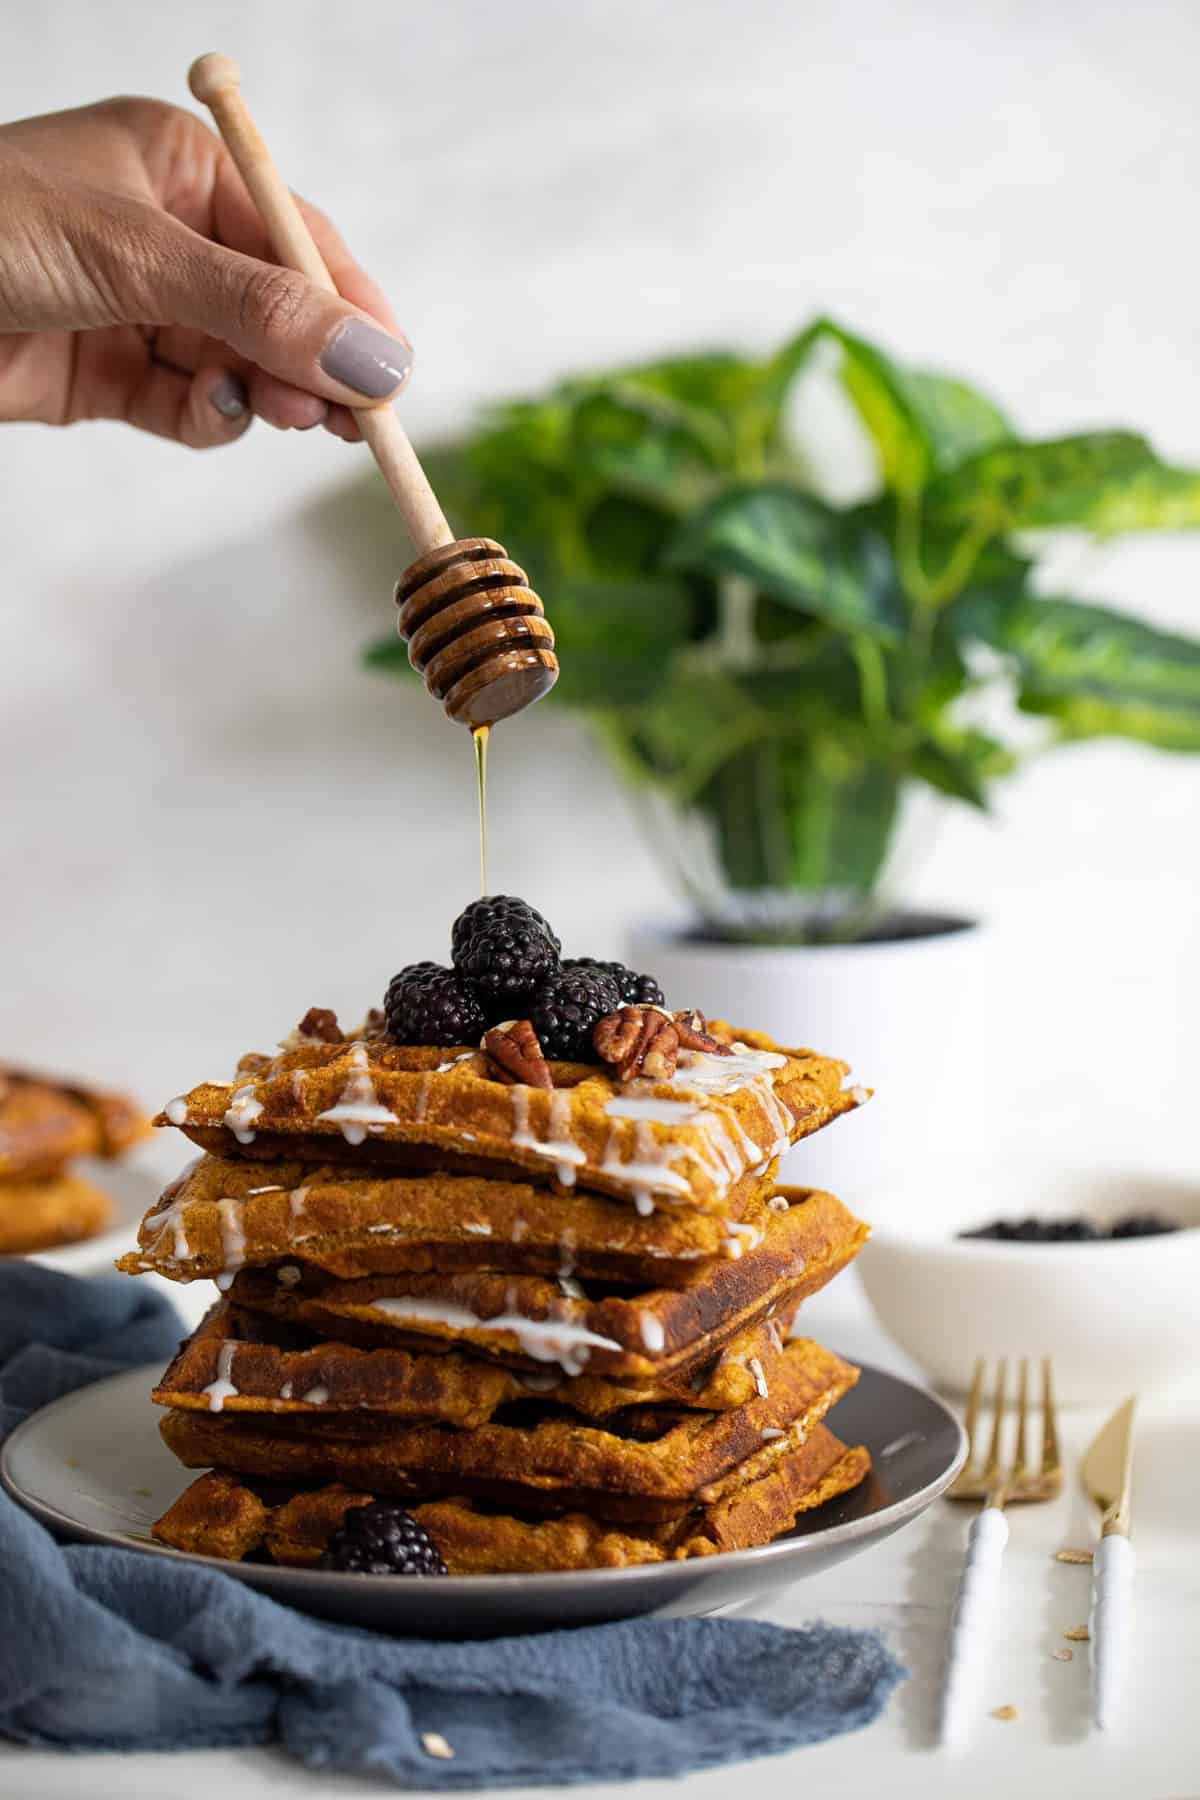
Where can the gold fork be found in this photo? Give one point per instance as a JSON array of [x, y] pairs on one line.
[[995, 1482]]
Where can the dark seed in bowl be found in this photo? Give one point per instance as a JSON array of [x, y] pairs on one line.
[[1071, 1231]]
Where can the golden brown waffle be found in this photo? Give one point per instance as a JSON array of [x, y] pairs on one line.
[[51, 1209], [44, 1122], [237, 1362], [243, 1362], [688, 1141], [224, 1212], [664, 1461], [219, 1515], [527, 1320]]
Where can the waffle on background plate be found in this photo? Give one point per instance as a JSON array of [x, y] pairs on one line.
[[543, 1304], [45, 1123]]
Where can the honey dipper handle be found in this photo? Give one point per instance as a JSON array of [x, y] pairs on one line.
[[215, 81]]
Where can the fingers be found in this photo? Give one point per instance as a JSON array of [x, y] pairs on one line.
[[274, 318], [273, 401], [117, 377]]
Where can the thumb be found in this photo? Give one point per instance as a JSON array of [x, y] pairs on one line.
[[275, 318]]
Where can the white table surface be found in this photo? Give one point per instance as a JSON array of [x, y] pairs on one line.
[[904, 1586]]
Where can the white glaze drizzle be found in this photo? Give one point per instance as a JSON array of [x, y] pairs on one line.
[[317, 1395], [653, 1335], [741, 1238], [478, 1229], [559, 1147], [285, 1392], [358, 1110], [222, 1389], [170, 1218], [769, 1432], [648, 1171], [233, 1236], [760, 1381], [243, 1109], [297, 1200], [545, 1340], [658, 1112]]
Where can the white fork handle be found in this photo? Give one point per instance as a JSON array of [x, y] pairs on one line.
[[1110, 1624], [970, 1624]]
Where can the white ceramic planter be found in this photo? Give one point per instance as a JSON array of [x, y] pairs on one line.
[[902, 1012]]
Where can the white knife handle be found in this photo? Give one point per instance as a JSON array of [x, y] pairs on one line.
[[970, 1624], [1110, 1624]]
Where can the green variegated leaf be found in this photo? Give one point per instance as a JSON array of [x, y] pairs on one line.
[[799, 551], [643, 443], [1096, 672], [960, 762], [956, 418], [1104, 481], [919, 422]]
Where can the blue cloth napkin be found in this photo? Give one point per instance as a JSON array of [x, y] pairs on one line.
[[104, 1649]]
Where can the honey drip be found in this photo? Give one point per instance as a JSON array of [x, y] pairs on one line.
[[479, 738]]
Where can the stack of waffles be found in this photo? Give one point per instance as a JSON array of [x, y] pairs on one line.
[[45, 1125], [553, 1321]]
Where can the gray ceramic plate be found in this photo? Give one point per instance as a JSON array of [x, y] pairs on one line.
[[93, 1466]]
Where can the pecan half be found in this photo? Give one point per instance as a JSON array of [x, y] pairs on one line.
[[516, 1056], [692, 1035], [640, 1040], [320, 1023]]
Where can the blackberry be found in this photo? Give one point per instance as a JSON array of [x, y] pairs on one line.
[[565, 1009], [635, 990], [1143, 1225], [506, 948], [1070, 1231], [427, 1004], [382, 1539]]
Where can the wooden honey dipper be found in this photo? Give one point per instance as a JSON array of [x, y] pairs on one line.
[[475, 629]]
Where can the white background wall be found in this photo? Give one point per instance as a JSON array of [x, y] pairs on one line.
[[212, 818]]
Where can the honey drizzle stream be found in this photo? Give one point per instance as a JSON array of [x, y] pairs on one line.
[[479, 738]]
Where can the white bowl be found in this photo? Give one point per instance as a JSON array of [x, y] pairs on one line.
[[1117, 1316]]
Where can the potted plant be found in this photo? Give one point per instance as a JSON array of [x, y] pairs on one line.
[[775, 672]]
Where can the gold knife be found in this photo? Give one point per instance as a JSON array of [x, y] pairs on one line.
[[1108, 1477]]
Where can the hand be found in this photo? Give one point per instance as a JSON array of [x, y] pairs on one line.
[[137, 283]]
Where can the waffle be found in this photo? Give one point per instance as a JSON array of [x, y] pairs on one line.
[[241, 1361], [526, 1319], [44, 1123], [662, 1460], [687, 1141], [40, 1211], [219, 1515], [224, 1212]]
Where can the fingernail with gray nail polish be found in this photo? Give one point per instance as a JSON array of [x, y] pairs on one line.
[[229, 397], [366, 359]]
